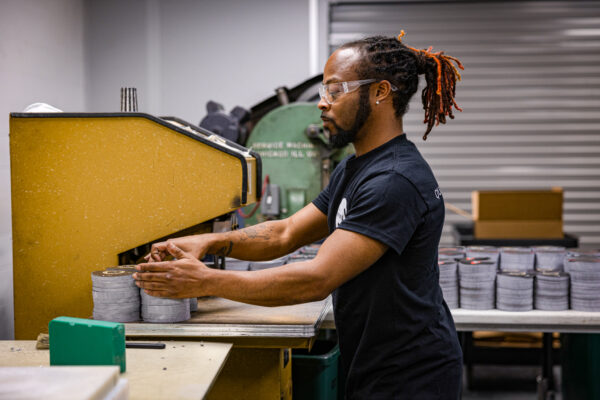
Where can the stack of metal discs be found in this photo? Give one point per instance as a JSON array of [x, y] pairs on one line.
[[571, 253], [551, 291], [477, 283], [449, 282], [514, 291], [516, 259], [160, 309], [549, 258], [460, 249], [451, 253], [259, 265], [477, 252], [193, 304], [116, 297], [583, 253], [128, 268], [311, 249], [298, 257], [233, 264], [585, 281]]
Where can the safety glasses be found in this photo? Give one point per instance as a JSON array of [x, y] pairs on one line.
[[332, 91]]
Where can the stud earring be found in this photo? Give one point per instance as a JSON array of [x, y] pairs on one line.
[[377, 102]]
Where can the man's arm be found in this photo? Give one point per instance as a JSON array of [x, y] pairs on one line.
[[342, 256], [265, 241]]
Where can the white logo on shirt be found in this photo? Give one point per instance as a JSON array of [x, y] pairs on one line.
[[341, 212], [437, 192]]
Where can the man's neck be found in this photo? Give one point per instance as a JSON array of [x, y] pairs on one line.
[[374, 135]]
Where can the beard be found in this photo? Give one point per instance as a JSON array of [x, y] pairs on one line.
[[343, 137]]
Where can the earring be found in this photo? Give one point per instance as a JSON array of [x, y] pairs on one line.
[[377, 102]]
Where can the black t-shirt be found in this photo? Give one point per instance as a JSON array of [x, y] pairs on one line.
[[396, 334]]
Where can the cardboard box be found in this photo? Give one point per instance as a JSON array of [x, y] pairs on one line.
[[518, 214], [535, 229]]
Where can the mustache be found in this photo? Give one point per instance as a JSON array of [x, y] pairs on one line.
[[325, 117]]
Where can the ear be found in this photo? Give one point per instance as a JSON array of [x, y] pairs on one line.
[[383, 90]]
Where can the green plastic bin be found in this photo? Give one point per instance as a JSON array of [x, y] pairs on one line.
[[315, 373], [580, 366]]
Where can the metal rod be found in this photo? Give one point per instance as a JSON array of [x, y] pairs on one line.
[[122, 99]]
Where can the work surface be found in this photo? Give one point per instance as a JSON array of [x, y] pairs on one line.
[[183, 370], [217, 317], [527, 321]]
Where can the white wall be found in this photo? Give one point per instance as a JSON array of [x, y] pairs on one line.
[[182, 53], [76, 54], [41, 59]]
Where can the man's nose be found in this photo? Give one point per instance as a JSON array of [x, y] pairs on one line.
[[323, 105]]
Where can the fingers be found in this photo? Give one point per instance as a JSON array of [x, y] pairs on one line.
[[157, 252], [152, 276], [158, 289], [177, 252], [162, 266], [155, 287]]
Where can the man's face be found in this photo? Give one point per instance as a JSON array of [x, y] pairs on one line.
[[345, 118]]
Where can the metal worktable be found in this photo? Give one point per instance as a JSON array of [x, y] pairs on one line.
[[218, 317], [568, 321], [260, 362]]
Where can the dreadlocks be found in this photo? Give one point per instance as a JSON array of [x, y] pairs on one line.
[[389, 59]]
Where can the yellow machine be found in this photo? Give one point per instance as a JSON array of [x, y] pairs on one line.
[[89, 187]]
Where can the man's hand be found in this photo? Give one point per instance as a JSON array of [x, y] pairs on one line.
[[196, 246], [180, 278]]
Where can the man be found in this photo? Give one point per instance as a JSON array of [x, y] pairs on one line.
[[382, 214]]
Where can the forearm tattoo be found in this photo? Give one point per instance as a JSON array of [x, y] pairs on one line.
[[260, 232]]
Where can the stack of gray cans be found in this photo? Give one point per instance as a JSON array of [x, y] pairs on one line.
[[233, 264], [549, 258], [551, 291], [516, 259], [585, 281], [490, 253], [116, 297], [477, 283], [449, 281], [514, 291], [165, 310], [259, 265]]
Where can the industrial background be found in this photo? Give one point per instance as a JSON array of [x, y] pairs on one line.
[[530, 90]]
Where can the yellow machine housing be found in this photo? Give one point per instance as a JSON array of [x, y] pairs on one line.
[[87, 187]]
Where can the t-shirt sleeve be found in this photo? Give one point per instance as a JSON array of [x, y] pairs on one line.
[[322, 200], [388, 208]]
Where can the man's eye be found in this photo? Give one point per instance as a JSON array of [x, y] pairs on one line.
[[335, 88]]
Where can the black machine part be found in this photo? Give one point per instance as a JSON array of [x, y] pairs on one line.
[[307, 91], [230, 126], [238, 124]]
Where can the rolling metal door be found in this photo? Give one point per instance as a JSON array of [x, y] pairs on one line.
[[530, 94]]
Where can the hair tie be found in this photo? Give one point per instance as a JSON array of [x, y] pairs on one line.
[[401, 35]]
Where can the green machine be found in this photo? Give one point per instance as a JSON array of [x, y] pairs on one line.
[[296, 158]]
